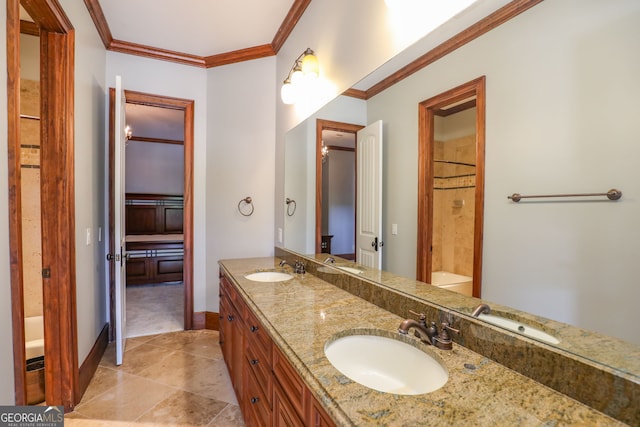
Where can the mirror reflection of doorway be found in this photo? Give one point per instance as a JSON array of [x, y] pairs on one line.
[[451, 189], [336, 188]]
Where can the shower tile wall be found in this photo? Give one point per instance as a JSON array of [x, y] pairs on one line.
[[453, 224], [30, 177]]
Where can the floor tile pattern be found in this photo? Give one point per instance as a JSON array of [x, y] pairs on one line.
[[171, 379], [154, 309]]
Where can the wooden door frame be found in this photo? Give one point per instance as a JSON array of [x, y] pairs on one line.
[[187, 106], [320, 126], [426, 113], [57, 42]]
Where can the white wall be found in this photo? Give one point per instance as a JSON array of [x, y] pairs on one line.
[[561, 107], [6, 331], [154, 168], [240, 160]]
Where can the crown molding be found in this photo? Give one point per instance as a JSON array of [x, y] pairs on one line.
[[95, 10], [481, 27], [289, 23], [355, 93], [240, 55], [156, 53]]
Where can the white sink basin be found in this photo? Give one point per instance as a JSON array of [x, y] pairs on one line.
[[268, 276], [519, 327], [386, 364], [350, 270]]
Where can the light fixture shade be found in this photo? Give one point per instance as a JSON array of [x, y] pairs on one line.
[[310, 66], [288, 93], [297, 76]]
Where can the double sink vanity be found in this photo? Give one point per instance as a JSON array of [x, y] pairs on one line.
[[324, 348]]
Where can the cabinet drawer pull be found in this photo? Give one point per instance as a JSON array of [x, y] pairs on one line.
[[254, 361], [230, 318], [254, 328], [255, 400]]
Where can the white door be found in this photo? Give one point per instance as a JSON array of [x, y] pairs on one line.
[[119, 229], [369, 194]]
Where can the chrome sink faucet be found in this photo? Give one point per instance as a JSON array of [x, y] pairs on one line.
[[330, 260], [298, 267]]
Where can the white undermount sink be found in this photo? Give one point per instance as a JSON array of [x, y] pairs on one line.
[[268, 276], [519, 327], [386, 364]]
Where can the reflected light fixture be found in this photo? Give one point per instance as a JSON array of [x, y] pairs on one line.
[[128, 132], [304, 69], [324, 151]]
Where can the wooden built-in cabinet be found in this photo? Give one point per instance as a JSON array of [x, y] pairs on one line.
[[269, 390], [153, 214], [154, 262]]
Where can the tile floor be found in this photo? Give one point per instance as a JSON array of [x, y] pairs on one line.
[[154, 309], [170, 379]]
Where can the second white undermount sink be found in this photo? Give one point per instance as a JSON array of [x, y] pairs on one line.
[[519, 327], [268, 276], [386, 364]]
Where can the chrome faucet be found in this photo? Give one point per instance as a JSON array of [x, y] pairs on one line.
[[330, 260], [298, 267], [284, 262], [481, 309], [422, 331]]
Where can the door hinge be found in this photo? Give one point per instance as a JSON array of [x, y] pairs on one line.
[[46, 273], [112, 257]]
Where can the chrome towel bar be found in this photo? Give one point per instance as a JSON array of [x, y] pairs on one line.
[[612, 194]]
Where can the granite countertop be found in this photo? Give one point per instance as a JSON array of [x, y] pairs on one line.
[[303, 313]]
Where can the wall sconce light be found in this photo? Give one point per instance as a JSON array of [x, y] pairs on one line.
[[304, 68]]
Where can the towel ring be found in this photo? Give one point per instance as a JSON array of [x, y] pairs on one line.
[[289, 203], [247, 200]]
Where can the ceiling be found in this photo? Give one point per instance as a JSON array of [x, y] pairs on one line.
[[196, 27], [202, 33]]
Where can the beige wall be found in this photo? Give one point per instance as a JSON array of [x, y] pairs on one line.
[[453, 210]]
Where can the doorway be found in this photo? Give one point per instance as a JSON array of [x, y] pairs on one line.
[[451, 188], [154, 198], [173, 213], [336, 167], [57, 197]]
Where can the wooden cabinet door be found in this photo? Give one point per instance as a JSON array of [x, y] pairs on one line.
[[284, 415], [317, 415]]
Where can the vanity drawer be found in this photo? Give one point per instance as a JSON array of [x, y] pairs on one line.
[[257, 336], [258, 364], [257, 409]]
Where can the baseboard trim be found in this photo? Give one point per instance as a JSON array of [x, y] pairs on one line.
[[206, 320], [92, 361]]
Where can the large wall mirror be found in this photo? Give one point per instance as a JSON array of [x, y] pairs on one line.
[[560, 118]]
